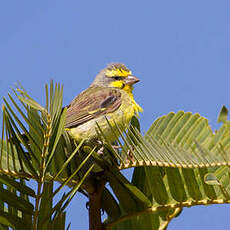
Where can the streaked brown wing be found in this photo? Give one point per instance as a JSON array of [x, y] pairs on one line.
[[92, 103]]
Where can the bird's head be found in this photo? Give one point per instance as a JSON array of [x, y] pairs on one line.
[[116, 75]]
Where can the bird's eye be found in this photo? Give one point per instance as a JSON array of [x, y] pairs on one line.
[[117, 78]]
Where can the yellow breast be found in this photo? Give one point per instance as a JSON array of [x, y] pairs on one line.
[[120, 117]]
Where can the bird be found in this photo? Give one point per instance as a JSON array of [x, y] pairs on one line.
[[107, 102]]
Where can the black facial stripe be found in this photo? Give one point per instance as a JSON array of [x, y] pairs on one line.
[[118, 78]]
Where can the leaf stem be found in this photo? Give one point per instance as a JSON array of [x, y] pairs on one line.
[[37, 204], [41, 179]]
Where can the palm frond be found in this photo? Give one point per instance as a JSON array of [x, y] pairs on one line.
[[189, 169], [34, 145], [177, 140], [179, 162], [15, 208]]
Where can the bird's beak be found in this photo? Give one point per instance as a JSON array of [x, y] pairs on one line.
[[130, 80]]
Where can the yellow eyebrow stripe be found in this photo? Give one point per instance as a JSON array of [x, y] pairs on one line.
[[117, 72]]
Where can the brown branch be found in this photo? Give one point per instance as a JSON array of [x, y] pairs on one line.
[[95, 222]]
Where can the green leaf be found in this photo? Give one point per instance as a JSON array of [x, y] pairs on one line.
[[32, 104], [15, 201], [46, 205], [59, 132], [58, 222], [125, 191], [17, 185], [110, 205], [13, 221]]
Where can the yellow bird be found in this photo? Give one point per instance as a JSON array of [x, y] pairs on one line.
[[109, 98]]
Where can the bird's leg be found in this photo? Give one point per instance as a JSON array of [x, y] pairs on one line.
[[116, 146], [102, 148], [130, 157]]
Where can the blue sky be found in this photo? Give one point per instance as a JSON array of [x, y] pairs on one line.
[[179, 49]]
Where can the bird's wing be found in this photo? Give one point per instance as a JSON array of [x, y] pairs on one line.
[[92, 103]]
